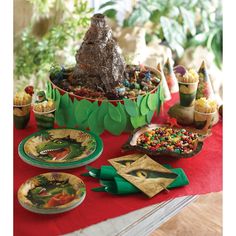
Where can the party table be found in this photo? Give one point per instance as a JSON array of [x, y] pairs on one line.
[[204, 172]]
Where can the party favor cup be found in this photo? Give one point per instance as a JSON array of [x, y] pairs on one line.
[[45, 120], [187, 93], [203, 121], [21, 114]]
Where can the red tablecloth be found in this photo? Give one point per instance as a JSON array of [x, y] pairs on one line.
[[203, 170]]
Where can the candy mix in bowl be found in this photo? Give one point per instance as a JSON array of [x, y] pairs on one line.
[[164, 141]]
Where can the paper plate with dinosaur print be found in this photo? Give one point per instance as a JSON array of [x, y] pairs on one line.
[[60, 148], [52, 193]]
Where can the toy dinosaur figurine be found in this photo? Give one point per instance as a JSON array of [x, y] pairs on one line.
[[41, 97]]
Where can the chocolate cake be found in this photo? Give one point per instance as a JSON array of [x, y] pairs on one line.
[[99, 65]]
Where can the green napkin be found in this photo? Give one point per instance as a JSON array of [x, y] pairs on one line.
[[113, 183]]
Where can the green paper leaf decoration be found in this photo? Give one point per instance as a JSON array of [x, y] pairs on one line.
[[138, 121], [152, 101], [160, 100], [49, 90], [59, 117], [57, 98], [143, 106], [149, 116], [112, 126], [93, 124], [92, 107], [131, 107], [123, 121], [114, 112], [65, 113], [81, 110], [102, 111], [139, 99], [53, 96]]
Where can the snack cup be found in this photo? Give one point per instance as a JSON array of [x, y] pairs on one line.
[[45, 120], [187, 93], [21, 114], [203, 121]]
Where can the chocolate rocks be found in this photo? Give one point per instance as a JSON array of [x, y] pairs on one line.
[[99, 65]]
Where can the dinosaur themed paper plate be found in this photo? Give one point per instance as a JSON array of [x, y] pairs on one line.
[[60, 148], [52, 193]]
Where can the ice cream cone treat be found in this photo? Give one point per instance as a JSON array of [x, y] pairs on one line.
[[44, 111], [204, 111], [21, 107], [204, 86], [188, 83], [170, 77], [167, 95]]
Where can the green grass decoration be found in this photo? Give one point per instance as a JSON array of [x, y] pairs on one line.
[[114, 112], [143, 106]]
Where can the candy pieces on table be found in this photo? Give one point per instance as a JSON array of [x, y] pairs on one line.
[[172, 122], [204, 86], [44, 110], [112, 182], [170, 77], [21, 107], [166, 91]]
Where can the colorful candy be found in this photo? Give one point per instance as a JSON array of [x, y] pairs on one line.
[[167, 139]]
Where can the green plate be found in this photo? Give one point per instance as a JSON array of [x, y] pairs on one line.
[[51, 193], [60, 148]]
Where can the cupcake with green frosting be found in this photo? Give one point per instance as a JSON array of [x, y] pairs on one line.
[[44, 111]]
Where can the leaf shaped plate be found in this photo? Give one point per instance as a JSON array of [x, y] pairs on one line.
[[159, 140], [60, 148], [51, 193]]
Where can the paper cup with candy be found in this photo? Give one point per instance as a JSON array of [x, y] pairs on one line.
[[21, 107], [204, 112], [44, 112], [188, 83]]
